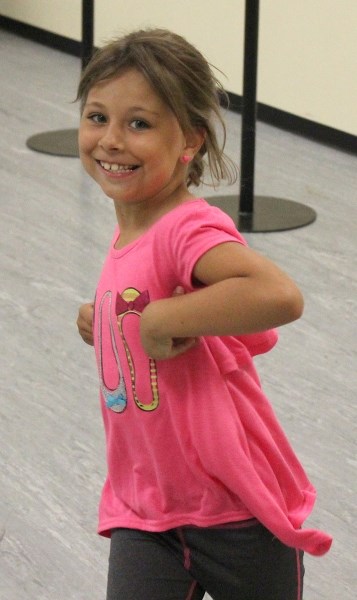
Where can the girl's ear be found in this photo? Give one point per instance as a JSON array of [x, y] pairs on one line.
[[194, 140]]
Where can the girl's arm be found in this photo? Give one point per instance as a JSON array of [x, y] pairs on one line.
[[244, 293]]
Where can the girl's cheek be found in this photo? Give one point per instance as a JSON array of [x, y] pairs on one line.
[[81, 138], [85, 143]]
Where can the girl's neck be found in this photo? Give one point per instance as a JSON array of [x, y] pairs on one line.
[[135, 219]]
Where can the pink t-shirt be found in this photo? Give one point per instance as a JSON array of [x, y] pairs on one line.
[[191, 440]]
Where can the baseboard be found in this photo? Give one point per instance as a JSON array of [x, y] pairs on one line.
[[268, 114], [47, 38], [304, 127]]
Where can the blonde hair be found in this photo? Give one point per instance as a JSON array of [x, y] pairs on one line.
[[182, 78]]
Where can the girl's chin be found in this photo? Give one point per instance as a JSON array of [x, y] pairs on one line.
[[122, 199]]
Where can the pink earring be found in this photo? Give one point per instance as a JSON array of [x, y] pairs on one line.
[[185, 159]]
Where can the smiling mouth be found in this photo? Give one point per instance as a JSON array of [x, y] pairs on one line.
[[116, 167]]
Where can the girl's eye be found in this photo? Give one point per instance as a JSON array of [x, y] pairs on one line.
[[97, 118], [139, 124]]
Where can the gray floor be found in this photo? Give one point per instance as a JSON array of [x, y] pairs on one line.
[[55, 229]]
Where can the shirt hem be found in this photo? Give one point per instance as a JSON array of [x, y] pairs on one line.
[[105, 526]]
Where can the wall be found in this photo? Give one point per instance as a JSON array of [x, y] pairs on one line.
[[307, 48], [58, 16], [220, 38], [308, 60]]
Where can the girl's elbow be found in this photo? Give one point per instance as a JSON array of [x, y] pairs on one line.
[[293, 303]]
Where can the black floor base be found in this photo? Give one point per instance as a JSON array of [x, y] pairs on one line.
[[269, 214], [61, 143]]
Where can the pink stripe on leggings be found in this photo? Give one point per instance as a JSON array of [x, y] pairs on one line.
[[298, 569]]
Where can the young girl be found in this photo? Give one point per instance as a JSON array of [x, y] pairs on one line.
[[203, 492]]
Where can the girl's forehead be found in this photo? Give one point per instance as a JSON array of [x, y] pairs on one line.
[[128, 90], [129, 83]]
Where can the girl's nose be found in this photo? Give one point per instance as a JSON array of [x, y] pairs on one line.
[[112, 138]]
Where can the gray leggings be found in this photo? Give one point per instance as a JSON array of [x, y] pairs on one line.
[[242, 561]]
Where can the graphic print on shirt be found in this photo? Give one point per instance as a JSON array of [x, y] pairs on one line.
[[128, 308], [115, 396], [132, 302]]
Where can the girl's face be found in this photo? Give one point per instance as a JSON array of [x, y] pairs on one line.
[[131, 143]]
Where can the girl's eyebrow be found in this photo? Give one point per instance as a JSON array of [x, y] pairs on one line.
[[132, 109], [143, 109], [94, 104]]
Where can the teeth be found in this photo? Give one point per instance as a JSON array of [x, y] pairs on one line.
[[115, 167]]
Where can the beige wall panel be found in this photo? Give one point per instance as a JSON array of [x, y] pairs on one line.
[[215, 28], [58, 16], [308, 60]]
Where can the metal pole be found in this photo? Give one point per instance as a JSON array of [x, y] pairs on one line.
[[257, 213], [249, 108], [87, 31]]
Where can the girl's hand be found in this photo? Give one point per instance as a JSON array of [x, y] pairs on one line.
[[85, 322], [160, 348]]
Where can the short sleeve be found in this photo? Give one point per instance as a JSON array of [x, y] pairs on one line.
[[195, 231], [191, 231]]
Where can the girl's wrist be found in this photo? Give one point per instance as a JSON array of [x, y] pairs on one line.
[[153, 318]]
